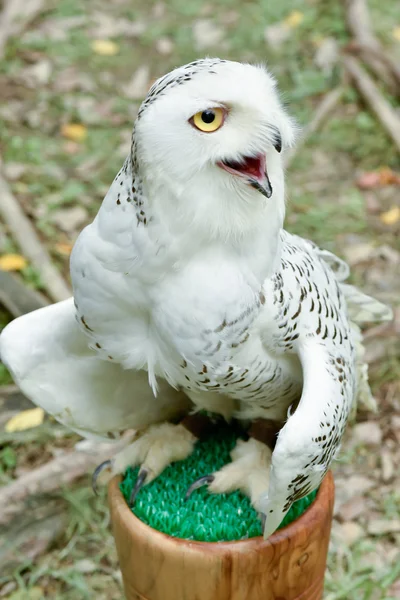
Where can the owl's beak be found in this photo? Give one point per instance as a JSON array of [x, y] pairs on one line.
[[253, 170], [264, 186]]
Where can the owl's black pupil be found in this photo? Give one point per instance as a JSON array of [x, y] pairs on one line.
[[207, 116]]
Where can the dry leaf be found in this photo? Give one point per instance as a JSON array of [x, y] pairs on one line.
[[74, 132], [388, 177], [206, 34], [25, 420], [139, 84], [12, 262], [294, 19], [396, 33], [391, 216], [327, 55], [369, 180], [275, 35], [64, 249], [69, 219], [379, 178], [165, 46], [105, 47]]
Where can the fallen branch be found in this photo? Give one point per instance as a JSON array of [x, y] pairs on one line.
[[373, 54], [54, 475], [29, 243], [359, 23], [32, 531], [373, 97], [43, 433], [17, 297], [379, 54], [322, 112], [15, 17]]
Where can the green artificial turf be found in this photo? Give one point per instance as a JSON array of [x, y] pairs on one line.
[[204, 517]]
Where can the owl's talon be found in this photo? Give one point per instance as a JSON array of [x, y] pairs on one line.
[[99, 469], [140, 481], [200, 482]]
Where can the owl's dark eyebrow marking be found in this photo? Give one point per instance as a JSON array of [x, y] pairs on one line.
[[278, 138]]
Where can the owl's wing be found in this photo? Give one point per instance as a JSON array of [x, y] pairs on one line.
[[311, 437], [334, 374], [49, 359]]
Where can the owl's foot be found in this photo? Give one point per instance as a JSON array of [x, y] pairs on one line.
[[153, 449], [248, 472]]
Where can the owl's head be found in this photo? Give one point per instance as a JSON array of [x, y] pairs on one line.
[[208, 143]]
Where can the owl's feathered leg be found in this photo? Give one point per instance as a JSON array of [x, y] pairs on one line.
[[155, 448], [248, 471]]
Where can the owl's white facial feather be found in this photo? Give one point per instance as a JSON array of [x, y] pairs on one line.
[[203, 181]]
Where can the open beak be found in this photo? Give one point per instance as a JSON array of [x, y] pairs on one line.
[[253, 170]]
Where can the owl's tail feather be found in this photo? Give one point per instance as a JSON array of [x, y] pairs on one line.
[[361, 309]]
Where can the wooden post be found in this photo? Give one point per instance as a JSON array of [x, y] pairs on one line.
[[290, 565]]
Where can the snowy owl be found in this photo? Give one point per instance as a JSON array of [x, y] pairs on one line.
[[189, 296]]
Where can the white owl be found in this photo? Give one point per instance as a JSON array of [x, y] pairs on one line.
[[189, 295]]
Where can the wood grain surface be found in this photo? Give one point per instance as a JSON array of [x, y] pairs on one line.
[[290, 565]]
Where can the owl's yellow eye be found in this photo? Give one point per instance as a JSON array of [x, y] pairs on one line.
[[209, 120]]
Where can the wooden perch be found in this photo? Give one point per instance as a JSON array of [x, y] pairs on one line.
[[373, 97], [29, 243], [321, 113]]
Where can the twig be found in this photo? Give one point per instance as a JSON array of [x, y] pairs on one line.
[[28, 240], [372, 96], [15, 16], [373, 54], [322, 112], [54, 475]]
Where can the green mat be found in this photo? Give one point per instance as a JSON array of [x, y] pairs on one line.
[[204, 517]]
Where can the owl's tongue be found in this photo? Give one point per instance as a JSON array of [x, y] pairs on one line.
[[249, 165], [252, 168]]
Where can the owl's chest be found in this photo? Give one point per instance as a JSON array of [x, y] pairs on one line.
[[251, 375], [202, 316]]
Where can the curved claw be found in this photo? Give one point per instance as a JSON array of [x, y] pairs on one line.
[[205, 480], [96, 473], [140, 481]]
